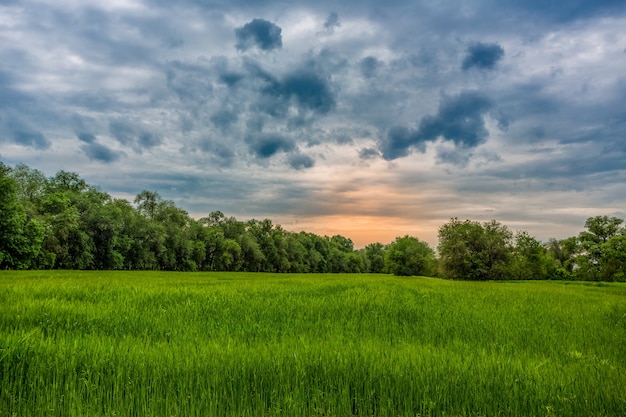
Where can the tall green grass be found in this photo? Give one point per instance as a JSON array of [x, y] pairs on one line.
[[167, 344]]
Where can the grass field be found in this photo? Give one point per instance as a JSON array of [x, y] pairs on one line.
[[218, 344]]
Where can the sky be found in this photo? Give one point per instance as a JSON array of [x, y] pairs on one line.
[[363, 118]]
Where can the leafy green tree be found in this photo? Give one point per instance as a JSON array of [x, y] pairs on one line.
[[253, 258], [408, 256], [531, 259], [374, 257], [469, 250], [147, 203], [20, 238], [313, 260], [230, 256], [613, 259], [31, 186], [271, 242], [338, 253], [601, 228], [177, 250], [594, 253], [296, 253]]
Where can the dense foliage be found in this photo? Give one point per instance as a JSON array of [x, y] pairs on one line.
[[62, 222]]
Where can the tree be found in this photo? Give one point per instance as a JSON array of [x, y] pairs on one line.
[[230, 256], [147, 203], [409, 256], [375, 257], [594, 251], [470, 250], [531, 259], [20, 238], [601, 228], [31, 186], [613, 258]]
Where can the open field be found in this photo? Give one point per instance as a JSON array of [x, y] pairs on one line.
[[220, 344]]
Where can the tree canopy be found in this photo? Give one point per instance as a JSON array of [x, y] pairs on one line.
[[63, 222]]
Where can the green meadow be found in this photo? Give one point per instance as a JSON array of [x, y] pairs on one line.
[[242, 344]]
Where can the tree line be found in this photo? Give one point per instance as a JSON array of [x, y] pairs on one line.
[[61, 222]]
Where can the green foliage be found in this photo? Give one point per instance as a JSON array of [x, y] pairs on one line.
[[409, 256], [470, 250], [20, 238], [238, 344], [374, 255], [64, 223], [531, 259], [598, 253]]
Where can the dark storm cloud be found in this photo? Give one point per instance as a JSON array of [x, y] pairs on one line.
[[560, 12], [460, 119], [190, 82], [123, 131], [100, 153], [482, 56], [369, 153], [24, 135], [264, 145], [259, 33], [368, 66], [94, 150], [399, 142], [305, 88], [86, 137], [310, 91], [219, 152], [134, 135], [332, 22], [31, 138], [224, 118], [301, 161], [231, 78], [9, 97]]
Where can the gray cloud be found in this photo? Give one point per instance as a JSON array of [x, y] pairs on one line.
[[100, 153], [309, 90], [482, 56], [460, 119], [265, 145], [301, 161], [259, 33], [369, 153], [31, 138], [368, 66], [190, 82], [231, 78], [332, 22], [560, 12], [9, 96], [224, 118], [133, 135], [86, 137], [220, 153]]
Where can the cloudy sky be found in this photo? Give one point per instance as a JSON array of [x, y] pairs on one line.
[[363, 118]]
